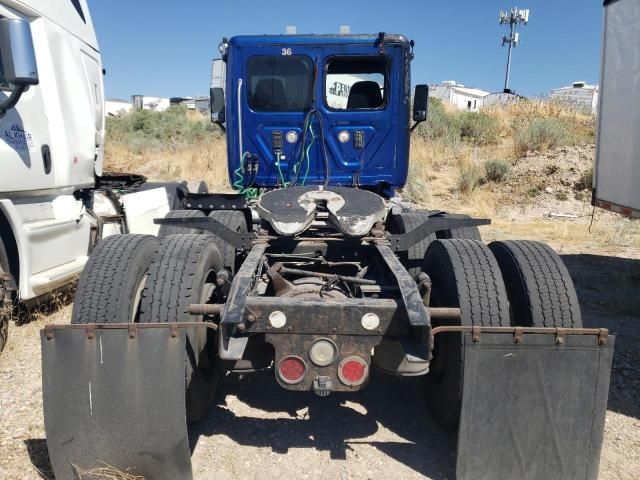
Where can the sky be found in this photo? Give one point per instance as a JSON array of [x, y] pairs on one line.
[[164, 48]]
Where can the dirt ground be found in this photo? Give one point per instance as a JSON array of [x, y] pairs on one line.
[[258, 431]]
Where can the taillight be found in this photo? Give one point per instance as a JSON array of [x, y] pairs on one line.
[[292, 369], [353, 371]]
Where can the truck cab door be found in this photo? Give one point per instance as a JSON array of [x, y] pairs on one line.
[[357, 102]]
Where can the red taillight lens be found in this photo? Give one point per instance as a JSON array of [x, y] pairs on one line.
[[353, 371], [292, 369]]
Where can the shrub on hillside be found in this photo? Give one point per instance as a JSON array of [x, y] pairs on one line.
[[148, 130], [479, 128], [540, 135], [496, 170], [585, 181], [470, 177], [441, 124]]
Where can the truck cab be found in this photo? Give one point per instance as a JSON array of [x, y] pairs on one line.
[[55, 200], [315, 110]]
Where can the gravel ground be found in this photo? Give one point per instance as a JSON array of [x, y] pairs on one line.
[[259, 431]]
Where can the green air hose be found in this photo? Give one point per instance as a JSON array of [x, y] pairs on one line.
[[238, 183], [313, 139]]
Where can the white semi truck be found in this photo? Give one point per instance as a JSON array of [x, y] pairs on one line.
[[55, 200], [616, 175]]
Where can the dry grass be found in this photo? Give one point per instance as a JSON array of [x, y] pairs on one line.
[[203, 161], [106, 472]]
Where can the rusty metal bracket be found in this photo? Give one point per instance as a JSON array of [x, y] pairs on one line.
[[475, 334], [91, 331], [132, 330], [48, 331], [603, 336], [173, 329], [518, 335]]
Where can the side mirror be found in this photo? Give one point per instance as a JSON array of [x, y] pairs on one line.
[[216, 102], [420, 99], [17, 59], [218, 83]]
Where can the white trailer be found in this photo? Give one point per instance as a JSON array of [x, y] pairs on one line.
[[55, 201], [617, 167]]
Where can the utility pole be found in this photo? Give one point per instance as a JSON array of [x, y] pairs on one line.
[[512, 18]]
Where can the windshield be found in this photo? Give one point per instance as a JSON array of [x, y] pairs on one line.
[[279, 83]]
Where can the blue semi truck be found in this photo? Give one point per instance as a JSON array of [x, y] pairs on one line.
[[310, 272]]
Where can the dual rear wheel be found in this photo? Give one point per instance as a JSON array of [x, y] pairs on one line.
[[139, 278], [509, 283]]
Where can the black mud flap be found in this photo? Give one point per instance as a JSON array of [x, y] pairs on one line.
[[116, 398], [533, 410]]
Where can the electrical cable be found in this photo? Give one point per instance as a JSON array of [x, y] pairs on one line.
[[324, 149]]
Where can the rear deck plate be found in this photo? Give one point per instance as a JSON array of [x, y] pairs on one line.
[[115, 400], [533, 410]]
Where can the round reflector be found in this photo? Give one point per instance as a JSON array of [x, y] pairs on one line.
[[323, 352], [353, 371], [292, 369]]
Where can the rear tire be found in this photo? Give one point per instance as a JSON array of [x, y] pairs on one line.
[[470, 233], [5, 298], [236, 221], [541, 291], [110, 285], [183, 272], [4, 329], [403, 223], [464, 275], [166, 230]]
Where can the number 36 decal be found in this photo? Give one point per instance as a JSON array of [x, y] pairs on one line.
[[286, 51]]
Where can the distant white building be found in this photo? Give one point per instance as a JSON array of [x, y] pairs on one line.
[[201, 104], [157, 104], [580, 95], [116, 108], [502, 99], [464, 98]]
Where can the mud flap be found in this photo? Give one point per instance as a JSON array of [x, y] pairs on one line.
[[533, 410], [115, 398]]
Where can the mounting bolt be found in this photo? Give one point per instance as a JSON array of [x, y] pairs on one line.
[[251, 318]]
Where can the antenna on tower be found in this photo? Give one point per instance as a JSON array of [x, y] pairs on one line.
[[512, 18]]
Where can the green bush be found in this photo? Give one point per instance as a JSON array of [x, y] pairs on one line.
[[586, 180], [470, 177], [534, 191], [496, 170], [146, 129], [440, 123], [479, 128], [562, 196], [541, 134]]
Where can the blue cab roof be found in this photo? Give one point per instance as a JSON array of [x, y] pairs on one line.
[[315, 39]]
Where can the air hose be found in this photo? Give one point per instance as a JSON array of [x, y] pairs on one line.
[[238, 183]]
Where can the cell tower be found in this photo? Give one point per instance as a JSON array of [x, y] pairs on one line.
[[512, 18]]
